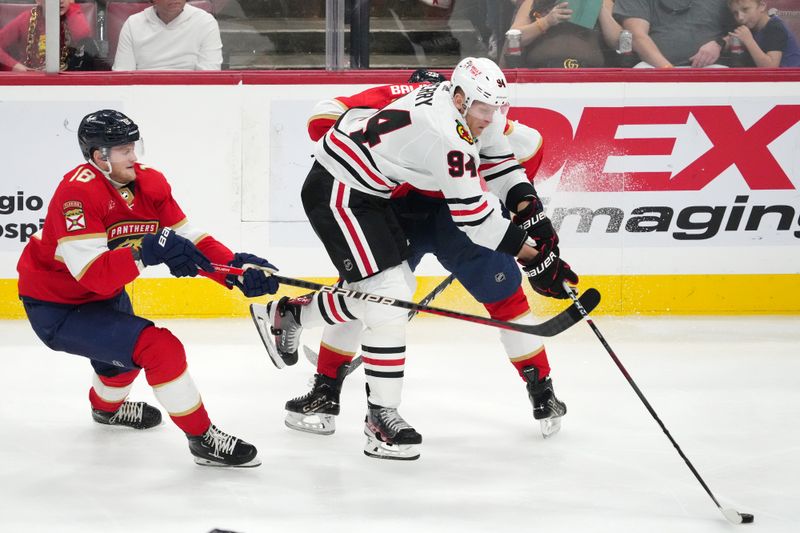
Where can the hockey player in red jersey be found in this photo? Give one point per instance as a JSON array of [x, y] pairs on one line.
[[110, 218], [477, 96]]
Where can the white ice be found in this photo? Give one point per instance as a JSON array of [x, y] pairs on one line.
[[727, 388]]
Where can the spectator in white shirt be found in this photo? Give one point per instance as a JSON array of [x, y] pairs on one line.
[[169, 35]]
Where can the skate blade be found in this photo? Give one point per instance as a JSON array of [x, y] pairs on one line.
[[382, 450], [261, 320], [311, 355], [207, 462], [550, 426], [317, 424]]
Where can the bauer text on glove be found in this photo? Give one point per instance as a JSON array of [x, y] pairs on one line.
[[547, 274], [538, 227], [179, 254]]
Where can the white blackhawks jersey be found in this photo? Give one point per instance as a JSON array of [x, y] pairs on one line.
[[421, 140]]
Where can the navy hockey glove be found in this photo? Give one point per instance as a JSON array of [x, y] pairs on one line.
[[547, 274], [538, 227], [178, 253], [253, 282]]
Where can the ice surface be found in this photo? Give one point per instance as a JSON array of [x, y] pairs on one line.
[[727, 388]]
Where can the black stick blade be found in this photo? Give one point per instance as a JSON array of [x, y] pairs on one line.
[[567, 318]]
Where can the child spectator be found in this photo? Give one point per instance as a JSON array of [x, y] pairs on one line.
[[767, 40]]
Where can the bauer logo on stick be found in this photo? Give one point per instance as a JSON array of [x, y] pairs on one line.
[[358, 296]]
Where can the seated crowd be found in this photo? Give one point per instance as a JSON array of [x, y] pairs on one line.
[[660, 34], [176, 35]]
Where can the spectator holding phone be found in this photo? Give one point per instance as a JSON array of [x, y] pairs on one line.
[[550, 40]]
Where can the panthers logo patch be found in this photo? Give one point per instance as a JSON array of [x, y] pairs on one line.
[[129, 233], [463, 133]]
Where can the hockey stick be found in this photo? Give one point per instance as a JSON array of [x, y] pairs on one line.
[[436, 291], [313, 356], [731, 515], [555, 325]]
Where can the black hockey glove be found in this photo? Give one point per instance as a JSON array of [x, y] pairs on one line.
[[538, 227], [422, 75], [178, 253], [253, 282], [547, 274]]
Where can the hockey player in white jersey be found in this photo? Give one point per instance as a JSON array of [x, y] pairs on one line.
[[435, 139], [492, 278]]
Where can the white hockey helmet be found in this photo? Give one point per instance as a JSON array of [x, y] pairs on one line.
[[481, 80]]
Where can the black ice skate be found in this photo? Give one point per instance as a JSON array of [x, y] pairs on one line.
[[316, 411], [546, 407], [389, 436], [278, 324], [217, 448], [137, 415]]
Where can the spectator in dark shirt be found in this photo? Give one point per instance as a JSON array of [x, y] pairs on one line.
[[767, 40], [22, 41], [681, 33], [550, 43]]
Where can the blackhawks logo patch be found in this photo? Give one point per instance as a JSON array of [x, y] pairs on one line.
[[463, 133], [73, 215]]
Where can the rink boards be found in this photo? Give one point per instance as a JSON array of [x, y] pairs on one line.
[[672, 193]]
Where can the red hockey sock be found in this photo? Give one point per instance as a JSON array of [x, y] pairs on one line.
[[537, 359], [108, 393], [194, 423], [163, 358], [330, 360], [523, 350], [509, 308]]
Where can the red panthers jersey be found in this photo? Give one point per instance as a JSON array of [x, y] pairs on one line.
[[83, 253]]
